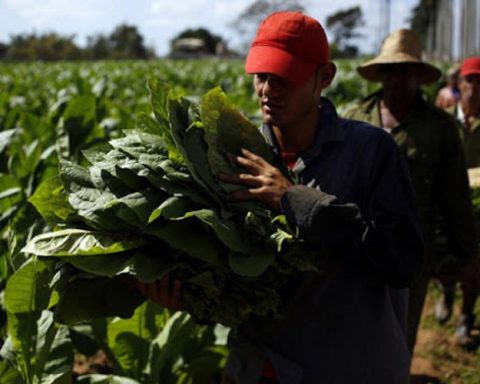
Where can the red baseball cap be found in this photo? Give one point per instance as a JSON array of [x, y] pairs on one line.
[[290, 45], [470, 66]]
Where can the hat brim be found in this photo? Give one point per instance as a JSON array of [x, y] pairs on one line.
[[467, 72], [268, 59], [372, 70]]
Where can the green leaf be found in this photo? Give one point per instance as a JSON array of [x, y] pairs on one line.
[[173, 207], [199, 244], [10, 193], [77, 242], [77, 124], [105, 379], [5, 138], [251, 265], [54, 353], [8, 374], [86, 299], [129, 339], [51, 201], [174, 338], [27, 289], [159, 96], [226, 230], [226, 130], [71, 172]]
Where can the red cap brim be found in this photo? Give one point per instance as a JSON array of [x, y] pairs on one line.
[[470, 71], [268, 59]]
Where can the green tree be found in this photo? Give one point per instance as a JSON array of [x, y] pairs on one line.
[[344, 25], [422, 15], [3, 50], [48, 46], [125, 42], [97, 47], [247, 22]]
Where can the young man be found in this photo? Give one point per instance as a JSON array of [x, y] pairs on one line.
[[430, 142], [467, 113], [354, 204]]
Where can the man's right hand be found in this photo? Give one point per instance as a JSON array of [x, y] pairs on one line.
[[165, 292]]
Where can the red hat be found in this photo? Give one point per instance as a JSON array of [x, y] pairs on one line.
[[470, 66], [290, 45]]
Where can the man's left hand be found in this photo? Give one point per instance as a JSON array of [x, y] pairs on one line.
[[264, 181]]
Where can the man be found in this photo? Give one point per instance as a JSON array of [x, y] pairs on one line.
[[354, 204], [448, 96], [429, 140], [467, 110], [467, 113]]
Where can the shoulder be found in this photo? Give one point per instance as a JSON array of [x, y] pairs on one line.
[[439, 113], [442, 121], [364, 135], [358, 109], [361, 129]]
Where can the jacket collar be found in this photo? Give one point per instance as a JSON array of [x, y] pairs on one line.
[[329, 130]]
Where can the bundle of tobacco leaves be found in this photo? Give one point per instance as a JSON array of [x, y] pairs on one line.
[[150, 203]]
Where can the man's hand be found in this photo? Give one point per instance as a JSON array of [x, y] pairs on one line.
[[164, 292], [266, 183]]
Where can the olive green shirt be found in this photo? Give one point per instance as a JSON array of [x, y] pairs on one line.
[[470, 137], [430, 141]]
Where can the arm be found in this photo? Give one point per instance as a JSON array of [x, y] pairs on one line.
[[165, 291], [385, 231]]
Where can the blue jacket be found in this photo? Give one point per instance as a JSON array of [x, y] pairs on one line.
[[346, 325]]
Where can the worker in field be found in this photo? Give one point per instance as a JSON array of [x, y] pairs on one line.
[[449, 95], [352, 202], [467, 112], [430, 142]]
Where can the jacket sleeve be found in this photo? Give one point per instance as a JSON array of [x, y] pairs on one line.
[[383, 232], [454, 196]]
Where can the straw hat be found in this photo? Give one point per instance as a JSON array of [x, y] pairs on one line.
[[399, 47]]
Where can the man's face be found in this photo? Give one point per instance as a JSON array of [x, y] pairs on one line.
[[469, 87], [399, 80], [283, 103]]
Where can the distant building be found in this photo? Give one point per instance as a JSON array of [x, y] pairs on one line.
[[454, 29], [188, 47], [194, 48]]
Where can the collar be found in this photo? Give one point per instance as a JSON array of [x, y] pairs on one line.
[[329, 130], [460, 115], [372, 107]]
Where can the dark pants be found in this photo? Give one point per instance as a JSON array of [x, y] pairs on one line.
[[469, 292], [416, 299]]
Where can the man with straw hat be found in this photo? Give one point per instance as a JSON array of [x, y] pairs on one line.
[[429, 139]]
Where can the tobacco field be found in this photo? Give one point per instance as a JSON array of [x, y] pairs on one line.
[[71, 131]]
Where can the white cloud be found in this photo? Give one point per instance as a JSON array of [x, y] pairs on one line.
[[49, 12], [161, 20]]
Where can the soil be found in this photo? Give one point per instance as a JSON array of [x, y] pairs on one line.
[[437, 357]]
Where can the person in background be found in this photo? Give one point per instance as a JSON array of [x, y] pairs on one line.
[[430, 142], [467, 112], [449, 95], [353, 204]]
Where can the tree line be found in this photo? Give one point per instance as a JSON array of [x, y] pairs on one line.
[[124, 42]]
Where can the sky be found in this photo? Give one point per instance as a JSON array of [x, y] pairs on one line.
[[160, 20]]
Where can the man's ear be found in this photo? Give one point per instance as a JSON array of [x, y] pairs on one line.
[[325, 74]]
